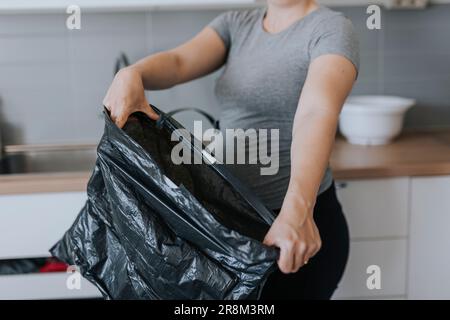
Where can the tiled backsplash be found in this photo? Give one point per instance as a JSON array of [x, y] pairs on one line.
[[410, 57], [52, 80]]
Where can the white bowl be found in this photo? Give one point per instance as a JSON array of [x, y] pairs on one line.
[[373, 120]]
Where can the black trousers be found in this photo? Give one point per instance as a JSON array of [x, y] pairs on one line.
[[319, 278]]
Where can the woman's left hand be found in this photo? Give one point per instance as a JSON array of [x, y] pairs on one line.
[[295, 233]]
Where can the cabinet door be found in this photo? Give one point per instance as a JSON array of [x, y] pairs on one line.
[[375, 208], [429, 262], [389, 256], [30, 224], [44, 286]]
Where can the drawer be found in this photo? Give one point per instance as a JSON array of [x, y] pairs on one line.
[[429, 254], [375, 208], [31, 224], [44, 286], [389, 255]]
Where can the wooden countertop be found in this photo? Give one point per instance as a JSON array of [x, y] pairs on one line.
[[43, 182], [414, 153], [423, 153]]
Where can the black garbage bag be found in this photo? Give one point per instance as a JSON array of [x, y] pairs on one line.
[[155, 230]]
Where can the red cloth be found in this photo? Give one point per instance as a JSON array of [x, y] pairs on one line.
[[53, 265]]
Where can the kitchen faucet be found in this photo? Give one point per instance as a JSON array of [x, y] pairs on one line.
[[121, 62]]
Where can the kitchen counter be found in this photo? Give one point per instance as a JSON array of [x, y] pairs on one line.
[[43, 182], [414, 153], [423, 153], [46, 168]]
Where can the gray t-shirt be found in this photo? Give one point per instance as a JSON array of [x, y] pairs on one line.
[[263, 78]]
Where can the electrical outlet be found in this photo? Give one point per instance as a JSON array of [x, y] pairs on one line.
[[406, 4]]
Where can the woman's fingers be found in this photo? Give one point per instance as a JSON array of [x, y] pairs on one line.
[[125, 96], [150, 112], [292, 254], [300, 258], [297, 244], [309, 254], [119, 115], [286, 262], [292, 258], [121, 119]]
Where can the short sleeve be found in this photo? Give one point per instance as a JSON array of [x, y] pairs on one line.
[[222, 24], [336, 36]]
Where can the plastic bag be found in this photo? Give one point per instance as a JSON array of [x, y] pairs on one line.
[[155, 230]]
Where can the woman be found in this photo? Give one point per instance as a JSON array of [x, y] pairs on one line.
[[289, 66]]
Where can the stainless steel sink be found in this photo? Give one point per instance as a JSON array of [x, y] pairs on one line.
[[48, 159]]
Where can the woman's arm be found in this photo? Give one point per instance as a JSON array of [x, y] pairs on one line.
[[329, 81], [203, 54]]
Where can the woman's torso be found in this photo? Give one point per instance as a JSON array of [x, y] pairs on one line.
[[260, 88]]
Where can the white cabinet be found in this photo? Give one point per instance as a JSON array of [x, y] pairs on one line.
[[376, 208], [401, 225], [31, 223], [377, 215], [429, 256], [389, 255], [44, 286]]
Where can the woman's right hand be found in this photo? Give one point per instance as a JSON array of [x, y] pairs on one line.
[[126, 95]]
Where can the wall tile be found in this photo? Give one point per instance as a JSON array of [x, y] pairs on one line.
[[37, 115], [362, 87], [435, 16], [169, 29], [33, 24], [433, 100], [49, 74], [29, 76], [35, 101], [371, 67], [428, 116], [33, 49], [415, 66], [369, 39], [113, 23], [93, 53], [420, 38]]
